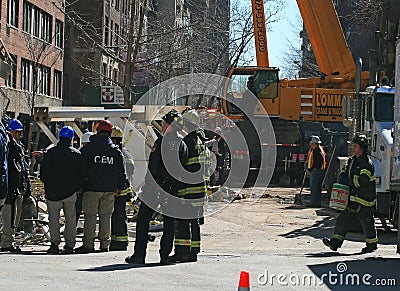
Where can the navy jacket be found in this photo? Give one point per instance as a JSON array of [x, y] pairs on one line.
[[61, 171], [103, 165]]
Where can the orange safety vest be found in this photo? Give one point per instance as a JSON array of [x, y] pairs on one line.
[[310, 159]]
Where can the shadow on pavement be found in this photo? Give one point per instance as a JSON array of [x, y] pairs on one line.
[[323, 227], [123, 266], [331, 254], [378, 273]]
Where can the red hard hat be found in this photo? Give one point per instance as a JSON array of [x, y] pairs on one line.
[[104, 125]]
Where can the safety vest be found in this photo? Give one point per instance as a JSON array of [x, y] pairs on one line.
[[310, 158]]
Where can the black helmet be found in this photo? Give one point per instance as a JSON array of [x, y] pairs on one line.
[[175, 118], [361, 140]]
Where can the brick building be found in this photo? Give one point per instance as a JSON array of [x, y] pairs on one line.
[[33, 34]]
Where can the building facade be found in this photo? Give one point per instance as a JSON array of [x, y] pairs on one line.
[[96, 47], [33, 35]]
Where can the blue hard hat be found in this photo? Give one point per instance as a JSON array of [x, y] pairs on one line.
[[15, 124], [67, 132]]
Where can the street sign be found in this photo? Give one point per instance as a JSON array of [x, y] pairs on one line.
[[112, 95]]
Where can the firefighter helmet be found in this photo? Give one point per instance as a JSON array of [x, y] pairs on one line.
[[104, 125], [117, 132], [361, 140], [67, 132], [192, 117], [175, 118], [15, 124]]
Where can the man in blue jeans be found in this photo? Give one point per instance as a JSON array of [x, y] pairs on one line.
[[316, 165]]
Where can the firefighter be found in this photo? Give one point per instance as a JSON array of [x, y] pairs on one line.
[[316, 166], [119, 227], [159, 180], [104, 177], [187, 235], [18, 186], [358, 173]]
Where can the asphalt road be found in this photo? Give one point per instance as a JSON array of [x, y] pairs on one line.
[[278, 243]]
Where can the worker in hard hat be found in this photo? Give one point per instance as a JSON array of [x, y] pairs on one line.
[[187, 236], [359, 174], [160, 184], [316, 166], [104, 175], [119, 227], [61, 173], [18, 186]]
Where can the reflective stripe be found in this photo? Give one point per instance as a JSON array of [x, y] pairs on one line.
[[366, 172], [125, 192], [192, 190], [338, 236], [371, 240], [362, 201], [182, 242], [310, 158], [195, 244], [356, 182], [121, 238]]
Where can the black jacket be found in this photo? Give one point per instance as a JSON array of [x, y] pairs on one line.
[[167, 150], [61, 171], [18, 170], [359, 174], [3, 162], [103, 165]]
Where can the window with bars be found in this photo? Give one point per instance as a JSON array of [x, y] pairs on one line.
[[106, 31]]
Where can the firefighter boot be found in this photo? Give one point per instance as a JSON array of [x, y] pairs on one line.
[[371, 247], [332, 243]]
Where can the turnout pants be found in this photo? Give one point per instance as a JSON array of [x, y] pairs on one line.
[[366, 217], [142, 226], [54, 208], [8, 236], [102, 204], [119, 228], [187, 234]]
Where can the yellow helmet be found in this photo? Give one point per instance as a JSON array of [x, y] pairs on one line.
[[191, 116], [117, 132]]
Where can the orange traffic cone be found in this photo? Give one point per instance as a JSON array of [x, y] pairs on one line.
[[244, 282]]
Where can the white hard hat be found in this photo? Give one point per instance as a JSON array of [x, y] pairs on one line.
[[86, 136], [315, 139], [218, 129]]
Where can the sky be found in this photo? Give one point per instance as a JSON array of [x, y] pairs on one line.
[[279, 33]]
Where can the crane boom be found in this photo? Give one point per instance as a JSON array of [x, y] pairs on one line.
[[326, 36], [260, 33]]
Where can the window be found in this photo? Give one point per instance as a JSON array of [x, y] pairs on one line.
[[12, 12], [57, 84], [42, 85], [37, 22], [111, 33], [116, 31], [117, 5], [27, 17], [106, 31], [115, 73], [104, 73], [58, 42], [12, 79]]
